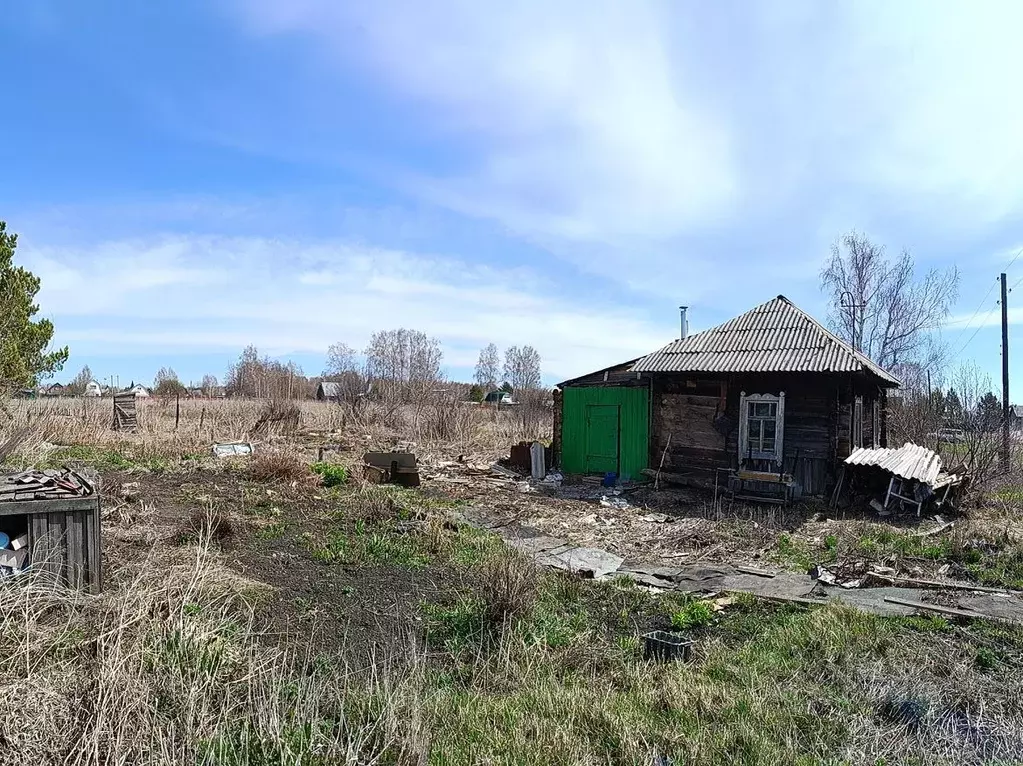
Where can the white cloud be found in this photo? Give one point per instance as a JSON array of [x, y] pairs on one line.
[[183, 294], [570, 118]]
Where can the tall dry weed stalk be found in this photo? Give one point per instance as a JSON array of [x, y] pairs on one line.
[[169, 668]]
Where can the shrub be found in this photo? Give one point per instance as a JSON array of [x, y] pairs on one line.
[[332, 474], [695, 614], [276, 466], [509, 584]]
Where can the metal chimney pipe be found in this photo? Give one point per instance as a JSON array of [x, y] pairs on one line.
[[685, 325]]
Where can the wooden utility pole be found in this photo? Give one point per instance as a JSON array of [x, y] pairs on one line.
[[1005, 377]]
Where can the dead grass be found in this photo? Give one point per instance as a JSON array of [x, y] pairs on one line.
[[275, 465], [508, 584]]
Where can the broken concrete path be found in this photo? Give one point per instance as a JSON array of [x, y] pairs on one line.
[[562, 554]]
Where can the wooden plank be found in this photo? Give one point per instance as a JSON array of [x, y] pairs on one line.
[[94, 542], [75, 548], [947, 610], [765, 476], [58, 534], [29, 507], [42, 553], [755, 571]]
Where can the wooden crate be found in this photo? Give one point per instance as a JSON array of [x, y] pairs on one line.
[[63, 538]]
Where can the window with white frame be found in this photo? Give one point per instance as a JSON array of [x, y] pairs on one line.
[[857, 422], [761, 426]]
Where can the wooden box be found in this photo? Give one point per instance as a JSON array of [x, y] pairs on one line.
[[63, 537]]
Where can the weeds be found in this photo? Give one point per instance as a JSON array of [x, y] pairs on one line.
[[276, 466], [695, 614], [332, 474]]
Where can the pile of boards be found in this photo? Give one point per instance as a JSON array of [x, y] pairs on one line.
[[51, 484]]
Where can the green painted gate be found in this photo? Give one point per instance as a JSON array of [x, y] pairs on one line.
[[604, 429]]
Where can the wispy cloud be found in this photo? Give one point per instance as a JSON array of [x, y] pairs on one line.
[[170, 295], [571, 119]]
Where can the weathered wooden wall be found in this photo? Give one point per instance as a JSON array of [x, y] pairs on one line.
[[701, 415]]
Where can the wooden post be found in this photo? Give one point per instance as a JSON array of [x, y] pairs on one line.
[[1005, 377], [177, 410], [202, 418]]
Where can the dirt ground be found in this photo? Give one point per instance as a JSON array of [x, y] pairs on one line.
[[362, 609]]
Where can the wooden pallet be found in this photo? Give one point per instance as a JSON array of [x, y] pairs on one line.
[[125, 416]]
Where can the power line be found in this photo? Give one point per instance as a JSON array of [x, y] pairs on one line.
[[982, 302], [1014, 258]]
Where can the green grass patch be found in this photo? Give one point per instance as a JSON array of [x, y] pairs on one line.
[[792, 552], [97, 457], [331, 474], [695, 614]]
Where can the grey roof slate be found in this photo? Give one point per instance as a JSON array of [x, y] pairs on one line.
[[776, 336]]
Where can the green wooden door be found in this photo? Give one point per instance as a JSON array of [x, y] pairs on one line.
[[602, 438], [581, 407]]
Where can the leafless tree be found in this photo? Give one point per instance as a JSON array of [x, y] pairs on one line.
[[209, 384], [403, 362], [879, 305], [978, 447], [522, 369], [265, 378], [77, 385], [167, 383], [488, 368], [343, 368]]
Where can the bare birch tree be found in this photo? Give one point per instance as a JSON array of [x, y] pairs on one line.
[[403, 362], [880, 306], [488, 368], [522, 369]]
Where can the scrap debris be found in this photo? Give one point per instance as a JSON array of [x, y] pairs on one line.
[[13, 554], [50, 484], [914, 477], [231, 449], [391, 468]]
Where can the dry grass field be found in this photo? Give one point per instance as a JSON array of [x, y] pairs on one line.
[[275, 610]]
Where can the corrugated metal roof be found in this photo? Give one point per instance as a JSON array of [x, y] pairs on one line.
[[910, 461], [776, 336]]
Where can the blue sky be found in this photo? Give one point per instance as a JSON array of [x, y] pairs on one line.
[[188, 178]]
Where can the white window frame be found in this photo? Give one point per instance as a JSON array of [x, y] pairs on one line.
[[779, 426], [876, 441], [857, 422]]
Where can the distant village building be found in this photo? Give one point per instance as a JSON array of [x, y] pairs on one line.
[[54, 389], [139, 390], [328, 391], [93, 389]]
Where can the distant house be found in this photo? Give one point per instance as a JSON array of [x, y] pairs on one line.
[[54, 389], [770, 394], [93, 389], [327, 390], [1016, 417], [499, 397], [140, 391]]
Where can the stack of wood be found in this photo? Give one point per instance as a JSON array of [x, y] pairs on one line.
[[43, 485]]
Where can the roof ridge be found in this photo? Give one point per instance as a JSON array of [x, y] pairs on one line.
[[770, 317]]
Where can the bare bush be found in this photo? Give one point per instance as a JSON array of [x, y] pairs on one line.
[[508, 586], [277, 465], [277, 416]]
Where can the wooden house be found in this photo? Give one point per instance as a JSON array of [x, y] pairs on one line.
[[769, 396]]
